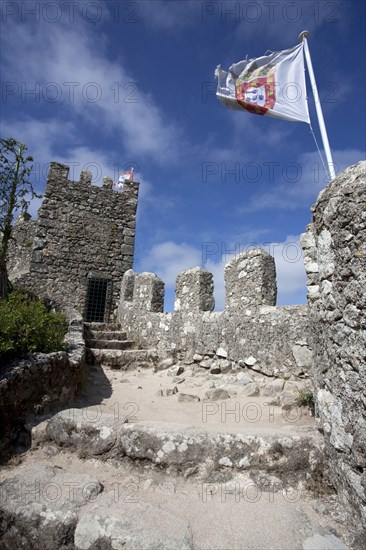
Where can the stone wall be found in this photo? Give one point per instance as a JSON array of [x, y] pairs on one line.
[[21, 245], [41, 383], [335, 259], [251, 332], [83, 232]]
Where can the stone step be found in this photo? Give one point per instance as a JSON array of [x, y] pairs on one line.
[[63, 501], [110, 344], [103, 326], [107, 335], [274, 458], [288, 459], [250, 486], [124, 359]]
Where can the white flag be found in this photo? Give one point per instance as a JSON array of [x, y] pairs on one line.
[[272, 85], [125, 176]]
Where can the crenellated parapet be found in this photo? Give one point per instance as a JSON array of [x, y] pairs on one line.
[[194, 291], [128, 286], [84, 242], [250, 281], [59, 174], [148, 293], [58, 171], [251, 329]]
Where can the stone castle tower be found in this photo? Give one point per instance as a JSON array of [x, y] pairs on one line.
[[81, 245]]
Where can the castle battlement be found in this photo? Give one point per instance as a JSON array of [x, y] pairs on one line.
[[83, 243], [250, 281], [59, 172], [272, 339], [80, 253]]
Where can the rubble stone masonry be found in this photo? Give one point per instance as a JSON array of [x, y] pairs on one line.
[[335, 259], [86, 232], [252, 331], [83, 232]]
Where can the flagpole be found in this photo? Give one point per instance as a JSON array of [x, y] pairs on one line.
[[303, 38]]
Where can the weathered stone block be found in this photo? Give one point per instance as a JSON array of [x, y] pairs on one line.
[[85, 177], [194, 291], [149, 292], [58, 171], [40, 507], [107, 182], [123, 524], [128, 285], [127, 250], [250, 281]]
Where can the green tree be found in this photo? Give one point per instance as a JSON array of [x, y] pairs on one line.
[[16, 192]]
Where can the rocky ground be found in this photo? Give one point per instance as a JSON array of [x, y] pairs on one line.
[[173, 459]]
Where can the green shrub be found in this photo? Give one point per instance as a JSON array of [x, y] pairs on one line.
[[26, 326], [306, 399]]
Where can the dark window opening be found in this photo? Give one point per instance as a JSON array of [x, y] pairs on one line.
[[98, 300]]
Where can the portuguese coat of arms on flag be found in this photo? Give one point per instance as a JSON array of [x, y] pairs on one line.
[[125, 176], [272, 85]]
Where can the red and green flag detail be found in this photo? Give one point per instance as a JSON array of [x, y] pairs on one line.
[[272, 85]]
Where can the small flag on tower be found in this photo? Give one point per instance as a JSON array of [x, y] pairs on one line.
[[125, 176], [272, 85]]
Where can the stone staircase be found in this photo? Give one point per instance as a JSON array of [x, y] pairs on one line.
[[94, 481], [164, 459], [108, 346]]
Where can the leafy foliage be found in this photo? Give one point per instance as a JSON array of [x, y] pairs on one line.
[[16, 192], [27, 326], [306, 399]]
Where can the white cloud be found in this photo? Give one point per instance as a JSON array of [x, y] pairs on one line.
[[291, 275], [33, 207], [76, 70], [297, 184], [46, 138], [168, 259], [279, 22], [167, 15], [41, 137]]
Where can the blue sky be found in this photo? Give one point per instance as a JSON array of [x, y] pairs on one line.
[[106, 85]]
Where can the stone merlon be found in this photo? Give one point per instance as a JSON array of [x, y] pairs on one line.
[[250, 326]]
